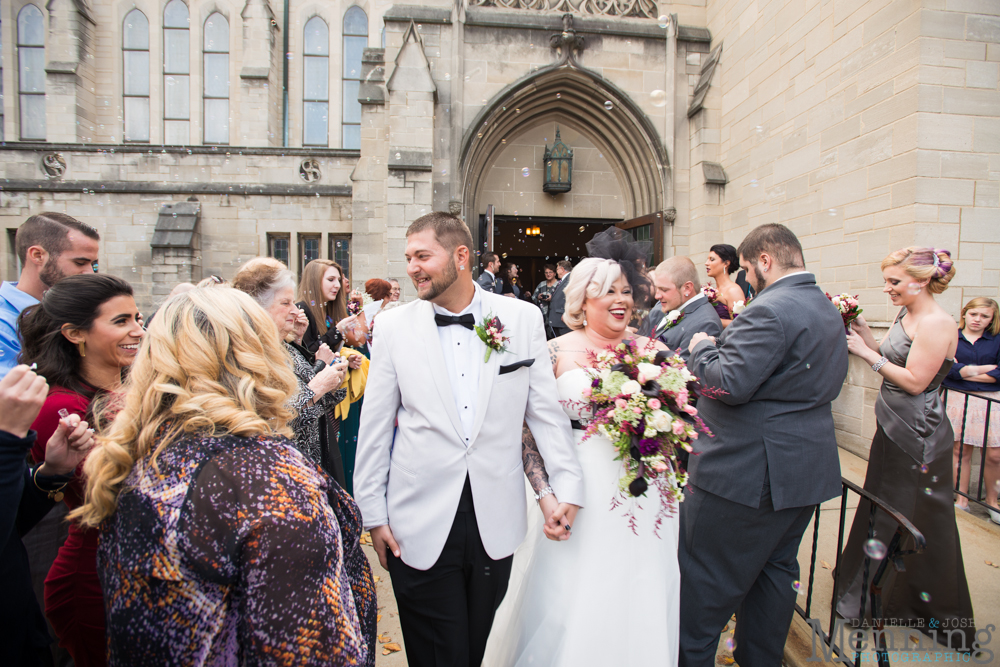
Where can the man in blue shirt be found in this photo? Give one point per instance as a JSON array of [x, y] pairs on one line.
[[50, 246]]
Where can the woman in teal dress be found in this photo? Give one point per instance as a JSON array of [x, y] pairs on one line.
[[909, 466], [348, 439]]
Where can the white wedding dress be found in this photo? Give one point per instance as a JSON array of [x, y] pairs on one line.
[[606, 597]]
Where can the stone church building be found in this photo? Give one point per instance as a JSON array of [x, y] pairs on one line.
[[194, 135]]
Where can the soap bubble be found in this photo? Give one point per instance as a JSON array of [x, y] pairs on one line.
[[658, 98], [608, 106], [504, 255], [831, 212], [875, 549], [925, 596], [526, 172], [928, 491], [730, 644], [399, 156], [934, 478], [663, 21], [754, 183], [582, 228], [923, 468], [797, 586], [558, 96], [913, 288]]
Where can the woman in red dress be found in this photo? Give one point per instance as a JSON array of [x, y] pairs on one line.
[[82, 335]]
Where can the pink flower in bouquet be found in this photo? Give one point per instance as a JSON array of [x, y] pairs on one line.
[[682, 397], [628, 359], [691, 410], [586, 392], [654, 404], [621, 404], [637, 410], [678, 427], [660, 466]]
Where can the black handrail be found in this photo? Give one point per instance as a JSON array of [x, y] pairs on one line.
[[978, 499], [894, 554]]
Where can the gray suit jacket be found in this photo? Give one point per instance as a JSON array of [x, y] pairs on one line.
[[651, 321], [698, 316], [780, 363], [558, 306], [489, 283]]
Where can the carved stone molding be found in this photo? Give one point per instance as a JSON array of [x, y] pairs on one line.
[[309, 170], [644, 9], [54, 165]]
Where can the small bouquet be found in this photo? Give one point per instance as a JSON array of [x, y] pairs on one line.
[[641, 402], [490, 331], [355, 302], [847, 306], [712, 295]]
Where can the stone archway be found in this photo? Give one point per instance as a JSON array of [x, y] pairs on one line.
[[573, 97]]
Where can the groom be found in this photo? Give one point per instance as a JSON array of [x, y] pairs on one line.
[[444, 495], [755, 484]]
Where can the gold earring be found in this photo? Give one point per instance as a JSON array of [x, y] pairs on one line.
[[82, 347]]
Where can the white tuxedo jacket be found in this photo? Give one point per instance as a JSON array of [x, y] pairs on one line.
[[412, 479]]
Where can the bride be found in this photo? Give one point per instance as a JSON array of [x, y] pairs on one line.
[[608, 595]]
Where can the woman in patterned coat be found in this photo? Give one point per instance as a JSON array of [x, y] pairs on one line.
[[220, 542]]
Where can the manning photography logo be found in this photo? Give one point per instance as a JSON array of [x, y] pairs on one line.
[[902, 642]]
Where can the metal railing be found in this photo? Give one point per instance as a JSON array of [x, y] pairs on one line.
[[906, 534], [992, 405]]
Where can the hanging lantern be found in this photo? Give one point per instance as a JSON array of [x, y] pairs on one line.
[[558, 167]]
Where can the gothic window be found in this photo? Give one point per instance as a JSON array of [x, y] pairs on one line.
[[216, 79], [340, 252], [1, 91], [308, 249], [355, 41], [135, 53], [176, 73], [316, 84], [31, 72]]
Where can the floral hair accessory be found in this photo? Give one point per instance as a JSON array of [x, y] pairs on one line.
[[490, 331]]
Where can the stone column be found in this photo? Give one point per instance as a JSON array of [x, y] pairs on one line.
[[69, 74], [369, 211], [259, 118]]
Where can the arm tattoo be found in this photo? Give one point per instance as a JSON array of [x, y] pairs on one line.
[[553, 353], [534, 467]]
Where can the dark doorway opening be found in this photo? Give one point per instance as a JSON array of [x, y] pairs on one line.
[[557, 238]]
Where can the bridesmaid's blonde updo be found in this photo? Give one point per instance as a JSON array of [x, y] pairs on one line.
[[924, 263]]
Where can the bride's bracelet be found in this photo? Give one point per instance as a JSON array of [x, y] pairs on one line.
[[879, 364], [544, 492]]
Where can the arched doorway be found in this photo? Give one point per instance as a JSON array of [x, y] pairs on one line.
[[584, 103]]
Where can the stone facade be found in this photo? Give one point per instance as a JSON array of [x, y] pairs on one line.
[[863, 126]]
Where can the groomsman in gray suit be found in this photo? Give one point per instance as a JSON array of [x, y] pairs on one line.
[[488, 279], [557, 306], [773, 458], [684, 309]]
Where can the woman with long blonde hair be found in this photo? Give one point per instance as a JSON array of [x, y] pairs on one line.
[[220, 541], [909, 466]]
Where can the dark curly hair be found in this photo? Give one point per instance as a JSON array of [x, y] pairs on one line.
[[727, 254]]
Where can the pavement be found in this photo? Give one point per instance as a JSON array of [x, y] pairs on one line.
[[980, 549]]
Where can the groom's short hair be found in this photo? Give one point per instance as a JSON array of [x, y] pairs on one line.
[[777, 241], [449, 231], [679, 270]]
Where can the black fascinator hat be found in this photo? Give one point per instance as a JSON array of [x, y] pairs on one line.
[[620, 246]]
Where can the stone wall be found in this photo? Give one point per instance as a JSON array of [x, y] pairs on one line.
[[864, 127]]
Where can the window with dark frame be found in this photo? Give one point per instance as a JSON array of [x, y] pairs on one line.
[[216, 83], [309, 249], [340, 252], [31, 72], [176, 73], [355, 41], [278, 246], [13, 263]]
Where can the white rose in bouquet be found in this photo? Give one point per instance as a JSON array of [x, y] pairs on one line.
[[660, 420], [648, 372], [631, 387], [738, 307]]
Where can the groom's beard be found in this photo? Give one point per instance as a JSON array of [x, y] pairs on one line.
[[441, 284]]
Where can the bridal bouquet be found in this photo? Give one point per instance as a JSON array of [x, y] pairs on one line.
[[640, 400], [712, 295], [847, 306]]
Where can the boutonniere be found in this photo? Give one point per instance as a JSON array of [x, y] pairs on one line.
[[740, 306], [490, 331], [673, 318]]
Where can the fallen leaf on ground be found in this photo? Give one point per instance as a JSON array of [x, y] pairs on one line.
[[725, 660], [377, 579], [826, 565], [382, 639], [392, 648], [725, 628], [378, 618], [991, 563]]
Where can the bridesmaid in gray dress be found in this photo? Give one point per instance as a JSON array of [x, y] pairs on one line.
[[909, 466]]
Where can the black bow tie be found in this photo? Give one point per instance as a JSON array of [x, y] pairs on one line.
[[467, 320]]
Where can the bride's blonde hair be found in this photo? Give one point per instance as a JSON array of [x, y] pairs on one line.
[[211, 363], [592, 278]]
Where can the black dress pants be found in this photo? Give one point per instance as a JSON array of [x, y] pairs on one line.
[[446, 612]]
